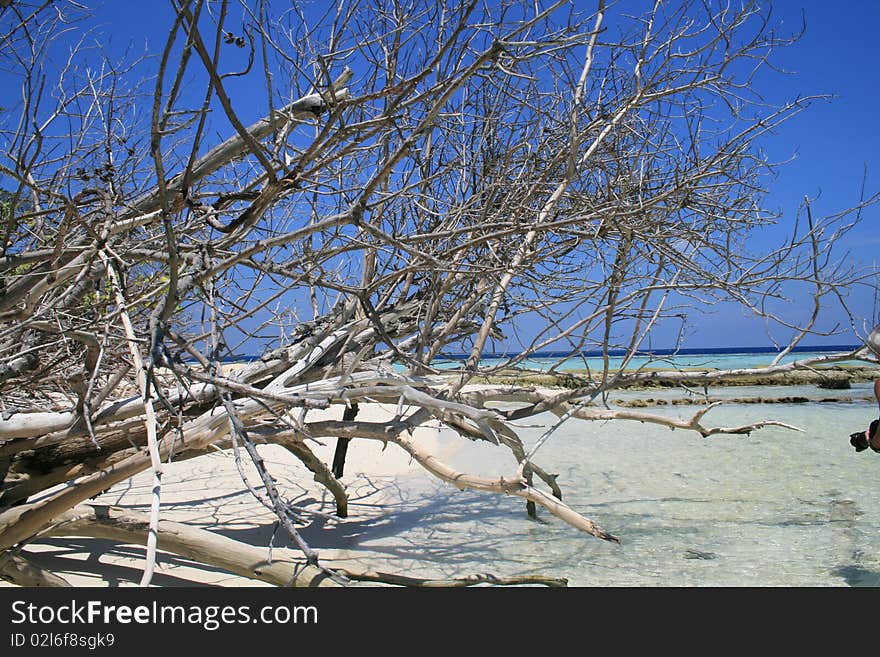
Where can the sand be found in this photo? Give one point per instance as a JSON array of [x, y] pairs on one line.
[[208, 493]]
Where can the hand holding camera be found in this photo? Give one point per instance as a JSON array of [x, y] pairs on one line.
[[862, 440]]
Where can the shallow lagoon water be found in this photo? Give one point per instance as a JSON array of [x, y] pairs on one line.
[[773, 508], [745, 359]]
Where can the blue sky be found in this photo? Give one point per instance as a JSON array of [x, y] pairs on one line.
[[831, 144], [833, 141], [828, 150]]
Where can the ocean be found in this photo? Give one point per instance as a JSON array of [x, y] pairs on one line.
[[776, 507], [705, 358]]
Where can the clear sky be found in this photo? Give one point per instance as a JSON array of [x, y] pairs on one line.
[[832, 143], [831, 146]]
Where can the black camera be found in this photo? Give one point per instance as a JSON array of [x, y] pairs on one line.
[[858, 440]]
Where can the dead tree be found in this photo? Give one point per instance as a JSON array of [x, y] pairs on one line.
[[398, 181]]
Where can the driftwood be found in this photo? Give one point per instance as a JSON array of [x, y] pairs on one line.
[[432, 182], [204, 547], [191, 543], [18, 570]]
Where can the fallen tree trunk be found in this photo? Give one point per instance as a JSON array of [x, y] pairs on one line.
[[19, 570], [199, 545], [205, 547]]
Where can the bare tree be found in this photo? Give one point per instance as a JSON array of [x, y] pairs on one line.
[[411, 179]]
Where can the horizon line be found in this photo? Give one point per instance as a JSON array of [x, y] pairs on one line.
[[669, 351]]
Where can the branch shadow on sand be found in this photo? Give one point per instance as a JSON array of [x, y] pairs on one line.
[[79, 559], [440, 531]]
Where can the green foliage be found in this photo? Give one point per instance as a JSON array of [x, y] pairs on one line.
[[20, 269], [97, 299]]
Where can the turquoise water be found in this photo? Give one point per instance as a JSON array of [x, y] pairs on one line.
[[776, 507], [773, 508], [707, 361]]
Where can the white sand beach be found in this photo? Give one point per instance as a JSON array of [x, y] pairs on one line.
[[207, 492]]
